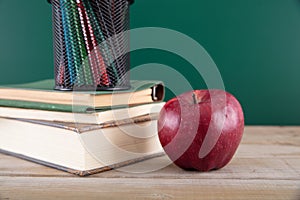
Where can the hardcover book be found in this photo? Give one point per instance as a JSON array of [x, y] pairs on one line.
[[40, 95], [81, 149], [97, 117]]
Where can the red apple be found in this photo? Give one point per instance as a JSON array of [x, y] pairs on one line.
[[201, 129]]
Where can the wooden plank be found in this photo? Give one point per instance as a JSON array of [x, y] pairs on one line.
[[275, 159], [132, 188], [239, 168], [11, 166], [272, 135], [266, 166]]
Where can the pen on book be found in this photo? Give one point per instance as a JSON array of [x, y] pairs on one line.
[[102, 43], [96, 61], [89, 80]]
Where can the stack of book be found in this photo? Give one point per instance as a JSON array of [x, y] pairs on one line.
[[80, 132]]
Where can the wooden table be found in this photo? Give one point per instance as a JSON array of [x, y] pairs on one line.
[[267, 166]]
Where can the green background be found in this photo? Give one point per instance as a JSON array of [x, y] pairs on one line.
[[255, 44]]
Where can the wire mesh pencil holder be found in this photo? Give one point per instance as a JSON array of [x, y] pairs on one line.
[[91, 44]]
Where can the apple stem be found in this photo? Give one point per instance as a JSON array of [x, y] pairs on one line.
[[194, 98]]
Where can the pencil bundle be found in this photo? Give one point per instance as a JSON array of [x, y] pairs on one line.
[[91, 44]]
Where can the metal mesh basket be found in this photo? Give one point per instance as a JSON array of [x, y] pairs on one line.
[[91, 44]]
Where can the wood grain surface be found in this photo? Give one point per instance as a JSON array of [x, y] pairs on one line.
[[266, 166]]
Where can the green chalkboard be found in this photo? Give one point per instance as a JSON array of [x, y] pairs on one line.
[[255, 44]]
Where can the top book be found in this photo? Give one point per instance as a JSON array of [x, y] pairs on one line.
[[40, 95]]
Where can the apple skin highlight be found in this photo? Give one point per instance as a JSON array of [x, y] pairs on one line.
[[202, 129]]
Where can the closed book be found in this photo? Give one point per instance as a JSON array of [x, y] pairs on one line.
[[96, 117], [81, 149], [40, 95]]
